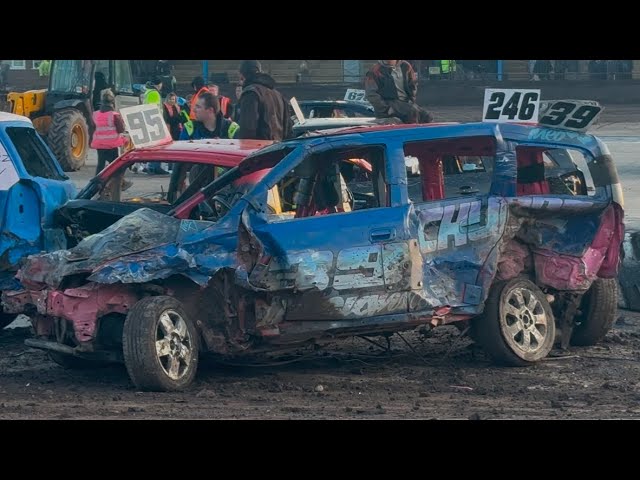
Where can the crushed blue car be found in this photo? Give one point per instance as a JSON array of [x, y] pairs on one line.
[[479, 237], [32, 187]]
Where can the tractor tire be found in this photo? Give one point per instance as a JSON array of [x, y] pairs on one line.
[[599, 307], [517, 327], [160, 345], [68, 138]]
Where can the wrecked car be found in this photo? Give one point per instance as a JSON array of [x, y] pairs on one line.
[[488, 247], [32, 186], [107, 198], [335, 109], [116, 191]]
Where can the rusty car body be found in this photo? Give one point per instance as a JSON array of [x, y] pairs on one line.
[[490, 245]]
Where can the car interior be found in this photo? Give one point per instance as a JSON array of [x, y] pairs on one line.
[[332, 182], [450, 168]]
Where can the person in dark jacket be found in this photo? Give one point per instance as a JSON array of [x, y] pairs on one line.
[[391, 87], [265, 112]]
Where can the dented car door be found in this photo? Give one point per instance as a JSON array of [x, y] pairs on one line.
[[335, 264]]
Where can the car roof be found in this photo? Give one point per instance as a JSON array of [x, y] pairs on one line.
[[11, 117], [346, 103], [322, 122], [511, 130], [222, 152], [519, 132]]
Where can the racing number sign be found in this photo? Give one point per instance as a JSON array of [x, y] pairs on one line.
[[511, 105], [354, 95], [145, 125], [571, 114]]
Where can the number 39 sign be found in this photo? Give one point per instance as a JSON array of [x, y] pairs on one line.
[[511, 105], [572, 114], [145, 125]]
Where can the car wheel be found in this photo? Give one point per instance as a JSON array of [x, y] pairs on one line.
[[517, 327], [160, 345], [598, 312]]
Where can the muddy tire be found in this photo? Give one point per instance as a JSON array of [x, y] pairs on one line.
[[74, 363], [68, 138], [160, 345], [517, 327], [598, 312]]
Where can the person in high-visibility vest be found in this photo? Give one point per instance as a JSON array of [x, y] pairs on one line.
[[152, 95], [44, 68], [448, 67], [198, 87], [209, 122], [225, 102], [110, 130], [172, 115]]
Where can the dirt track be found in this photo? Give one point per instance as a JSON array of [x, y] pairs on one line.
[[446, 377]]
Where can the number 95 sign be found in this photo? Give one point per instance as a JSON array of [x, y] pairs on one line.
[[145, 125], [511, 105]]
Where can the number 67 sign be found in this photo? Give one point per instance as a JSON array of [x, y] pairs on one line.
[[145, 125]]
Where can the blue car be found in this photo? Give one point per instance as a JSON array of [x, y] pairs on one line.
[[32, 187], [478, 237]]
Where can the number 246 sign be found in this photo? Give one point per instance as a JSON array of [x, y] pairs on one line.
[[518, 105], [145, 125], [511, 105]]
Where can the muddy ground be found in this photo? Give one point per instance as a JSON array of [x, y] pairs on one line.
[[442, 377]]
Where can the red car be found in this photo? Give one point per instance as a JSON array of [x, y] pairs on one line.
[[109, 196]]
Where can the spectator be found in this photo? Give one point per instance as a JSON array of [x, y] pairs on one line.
[[391, 88], [209, 122], [152, 94], [110, 132], [172, 117], [236, 106], [44, 68], [199, 87], [265, 112], [224, 101]]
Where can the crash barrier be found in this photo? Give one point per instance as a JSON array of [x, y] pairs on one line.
[[629, 276]]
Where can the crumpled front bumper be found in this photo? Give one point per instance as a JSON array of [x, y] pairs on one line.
[[81, 306]]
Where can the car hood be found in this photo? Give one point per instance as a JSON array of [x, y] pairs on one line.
[[143, 246]]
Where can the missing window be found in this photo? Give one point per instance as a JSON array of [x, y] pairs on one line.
[[36, 159], [449, 168]]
